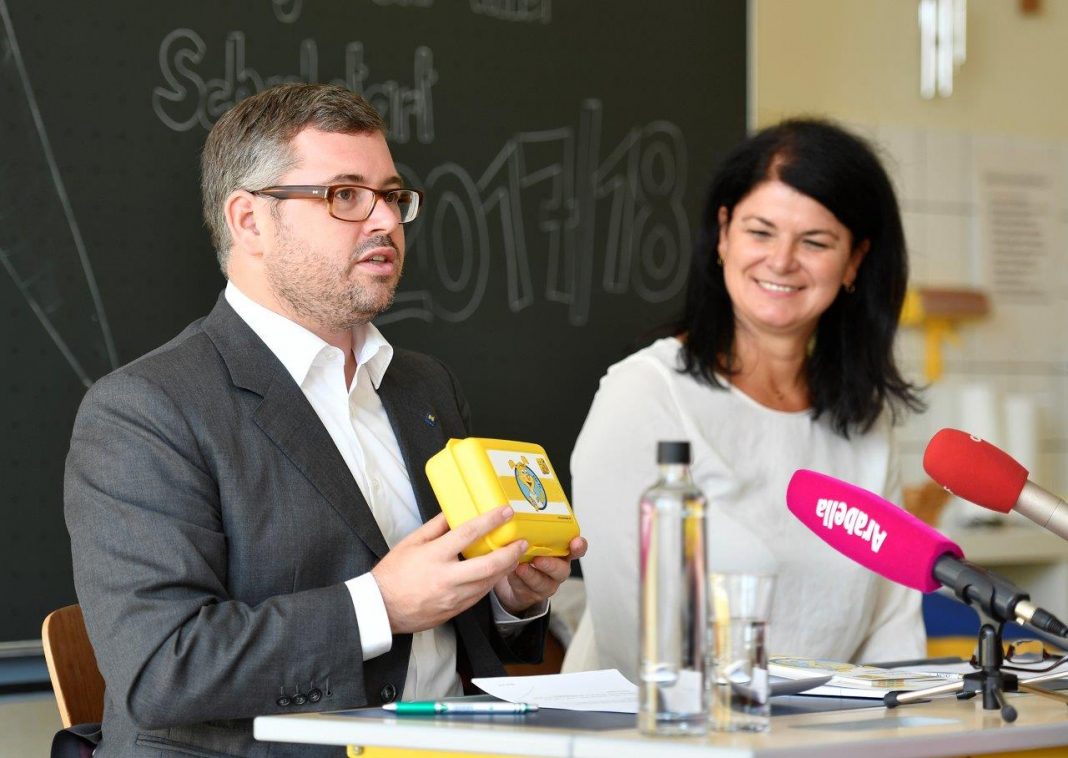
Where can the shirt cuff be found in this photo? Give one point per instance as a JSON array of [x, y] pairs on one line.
[[508, 624], [376, 637]]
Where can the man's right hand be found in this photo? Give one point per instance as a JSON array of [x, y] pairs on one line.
[[424, 583]]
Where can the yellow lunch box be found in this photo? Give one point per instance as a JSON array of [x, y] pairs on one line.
[[475, 475]]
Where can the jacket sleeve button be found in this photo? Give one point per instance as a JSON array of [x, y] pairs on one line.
[[299, 699], [283, 701], [315, 696], [388, 693]]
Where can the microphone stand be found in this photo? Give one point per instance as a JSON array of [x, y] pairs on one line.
[[989, 680], [1002, 601]]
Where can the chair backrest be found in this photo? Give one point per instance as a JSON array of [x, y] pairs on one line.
[[72, 667]]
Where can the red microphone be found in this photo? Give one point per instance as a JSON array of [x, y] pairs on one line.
[[898, 546], [977, 471]]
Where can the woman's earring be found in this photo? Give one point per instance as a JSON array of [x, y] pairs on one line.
[[850, 288], [719, 260]]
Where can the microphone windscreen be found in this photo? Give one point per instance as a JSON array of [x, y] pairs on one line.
[[868, 529], [974, 469]]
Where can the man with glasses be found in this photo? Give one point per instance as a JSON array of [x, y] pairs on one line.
[[251, 527]]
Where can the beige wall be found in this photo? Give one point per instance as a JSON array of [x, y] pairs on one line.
[[858, 60]]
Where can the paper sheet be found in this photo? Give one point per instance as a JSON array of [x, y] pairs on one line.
[[1024, 672], [605, 690]]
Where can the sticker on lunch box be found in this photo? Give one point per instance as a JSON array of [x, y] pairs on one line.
[[528, 482]]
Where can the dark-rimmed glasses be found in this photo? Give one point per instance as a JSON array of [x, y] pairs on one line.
[[350, 202], [1028, 655]]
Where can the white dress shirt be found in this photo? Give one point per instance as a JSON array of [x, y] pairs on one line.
[[359, 426]]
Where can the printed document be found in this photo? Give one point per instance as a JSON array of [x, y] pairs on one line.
[[606, 690]]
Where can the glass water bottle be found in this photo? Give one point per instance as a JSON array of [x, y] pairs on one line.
[[673, 697]]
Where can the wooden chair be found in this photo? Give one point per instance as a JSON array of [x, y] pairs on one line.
[[72, 667]]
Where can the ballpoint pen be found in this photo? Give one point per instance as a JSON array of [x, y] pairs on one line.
[[430, 707]]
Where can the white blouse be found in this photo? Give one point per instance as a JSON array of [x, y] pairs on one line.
[[824, 605]]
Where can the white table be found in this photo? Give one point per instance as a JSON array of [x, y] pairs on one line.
[[940, 728]]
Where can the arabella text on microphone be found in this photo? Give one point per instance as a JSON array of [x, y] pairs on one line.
[[854, 521]]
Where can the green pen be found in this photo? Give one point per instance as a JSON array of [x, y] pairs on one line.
[[427, 707]]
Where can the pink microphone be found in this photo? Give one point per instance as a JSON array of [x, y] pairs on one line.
[[898, 546], [870, 530]]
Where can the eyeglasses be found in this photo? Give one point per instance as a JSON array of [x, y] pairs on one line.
[[351, 202], [1029, 655]]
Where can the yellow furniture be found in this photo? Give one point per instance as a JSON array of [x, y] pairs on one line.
[[938, 311], [475, 475]]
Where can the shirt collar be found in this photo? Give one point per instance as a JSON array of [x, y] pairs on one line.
[[297, 348]]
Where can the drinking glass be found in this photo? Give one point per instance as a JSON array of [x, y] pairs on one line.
[[738, 637]]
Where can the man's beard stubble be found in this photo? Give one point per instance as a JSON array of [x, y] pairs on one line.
[[321, 293]]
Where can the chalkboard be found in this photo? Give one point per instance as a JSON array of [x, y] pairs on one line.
[[564, 147]]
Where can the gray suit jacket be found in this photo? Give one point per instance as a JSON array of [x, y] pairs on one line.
[[213, 523]]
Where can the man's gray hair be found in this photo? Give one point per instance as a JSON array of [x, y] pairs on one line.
[[250, 147]]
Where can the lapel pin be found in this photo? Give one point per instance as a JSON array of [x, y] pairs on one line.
[[431, 419]]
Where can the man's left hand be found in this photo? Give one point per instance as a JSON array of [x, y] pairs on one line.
[[531, 583]]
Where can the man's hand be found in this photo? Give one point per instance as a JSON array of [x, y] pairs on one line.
[[533, 582], [424, 583]]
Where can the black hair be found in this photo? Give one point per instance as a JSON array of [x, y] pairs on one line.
[[850, 369]]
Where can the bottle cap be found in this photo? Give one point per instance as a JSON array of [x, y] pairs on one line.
[[673, 452]]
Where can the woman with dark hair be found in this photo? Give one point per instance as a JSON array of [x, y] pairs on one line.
[[783, 360]]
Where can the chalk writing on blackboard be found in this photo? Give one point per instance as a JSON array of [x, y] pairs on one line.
[[287, 11], [188, 98], [40, 240], [548, 207], [406, 3], [515, 10], [624, 210]]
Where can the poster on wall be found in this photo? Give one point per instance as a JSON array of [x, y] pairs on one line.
[[1020, 194]]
